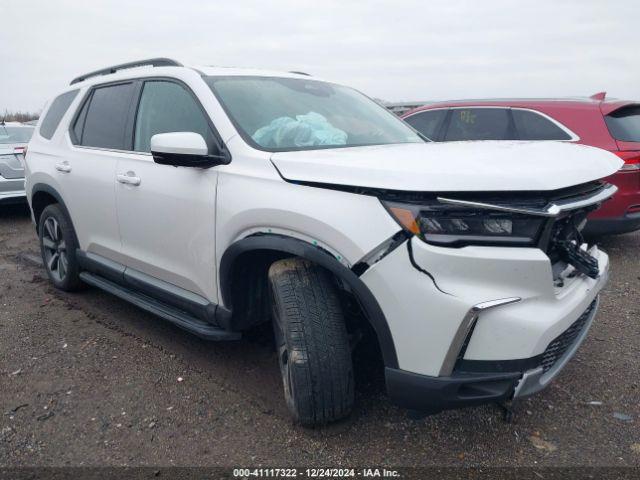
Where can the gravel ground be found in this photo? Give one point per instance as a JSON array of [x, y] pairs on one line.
[[87, 379]]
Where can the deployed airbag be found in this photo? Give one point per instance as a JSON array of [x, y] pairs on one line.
[[304, 131]]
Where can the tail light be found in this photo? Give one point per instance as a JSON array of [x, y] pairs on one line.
[[631, 161]]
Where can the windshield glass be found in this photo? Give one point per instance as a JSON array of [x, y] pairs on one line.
[[284, 114], [15, 134]]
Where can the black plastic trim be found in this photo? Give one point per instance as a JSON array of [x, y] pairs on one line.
[[45, 188], [299, 248], [165, 293], [193, 325], [612, 226], [434, 394]]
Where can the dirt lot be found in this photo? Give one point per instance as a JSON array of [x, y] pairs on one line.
[[87, 379]]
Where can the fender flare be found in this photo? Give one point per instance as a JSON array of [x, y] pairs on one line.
[[300, 248], [43, 187]]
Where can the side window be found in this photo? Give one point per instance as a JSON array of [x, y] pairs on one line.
[[103, 121], [533, 126], [479, 124], [168, 107], [427, 122], [55, 113], [624, 123]]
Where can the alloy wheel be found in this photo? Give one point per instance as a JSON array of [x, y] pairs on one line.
[[55, 249]]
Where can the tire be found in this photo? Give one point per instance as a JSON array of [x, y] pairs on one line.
[[311, 341], [58, 246]]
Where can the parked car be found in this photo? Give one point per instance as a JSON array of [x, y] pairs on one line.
[[221, 198], [14, 137], [613, 125]]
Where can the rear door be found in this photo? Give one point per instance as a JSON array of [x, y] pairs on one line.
[[167, 215], [479, 123], [100, 134]]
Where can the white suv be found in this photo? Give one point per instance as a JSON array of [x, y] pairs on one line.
[[223, 198]]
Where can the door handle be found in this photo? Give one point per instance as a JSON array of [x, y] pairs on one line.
[[128, 178], [63, 167]]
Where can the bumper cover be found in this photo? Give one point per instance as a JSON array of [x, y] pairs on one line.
[[612, 226], [462, 389]]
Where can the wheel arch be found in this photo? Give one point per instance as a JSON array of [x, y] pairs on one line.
[[43, 195], [274, 247]]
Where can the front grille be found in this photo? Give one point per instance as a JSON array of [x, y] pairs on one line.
[[562, 342]]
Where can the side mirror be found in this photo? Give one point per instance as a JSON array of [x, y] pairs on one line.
[[183, 149]]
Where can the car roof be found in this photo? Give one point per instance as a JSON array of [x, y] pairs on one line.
[[143, 67], [596, 102]]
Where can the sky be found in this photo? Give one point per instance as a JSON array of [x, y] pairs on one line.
[[391, 50]]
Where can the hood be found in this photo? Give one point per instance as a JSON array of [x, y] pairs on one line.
[[451, 166]]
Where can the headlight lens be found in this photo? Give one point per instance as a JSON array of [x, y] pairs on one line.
[[454, 226]]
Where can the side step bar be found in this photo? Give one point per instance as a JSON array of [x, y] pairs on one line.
[[181, 319]]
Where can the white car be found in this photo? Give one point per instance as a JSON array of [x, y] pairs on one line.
[[223, 198], [14, 137]]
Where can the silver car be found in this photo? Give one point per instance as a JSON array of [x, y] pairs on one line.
[[13, 141]]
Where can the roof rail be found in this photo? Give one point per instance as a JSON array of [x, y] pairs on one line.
[[300, 73], [154, 62]]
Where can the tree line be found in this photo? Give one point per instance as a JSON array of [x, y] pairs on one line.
[[19, 116]]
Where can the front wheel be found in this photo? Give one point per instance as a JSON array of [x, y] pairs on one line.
[[312, 342], [58, 248]]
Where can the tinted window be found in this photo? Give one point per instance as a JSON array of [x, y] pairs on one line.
[[624, 124], [55, 113], [533, 126], [479, 124], [427, 123], [105, 125], [168, 107], [79, 124]]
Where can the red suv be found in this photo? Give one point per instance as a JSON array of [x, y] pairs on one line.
[[613, 125]]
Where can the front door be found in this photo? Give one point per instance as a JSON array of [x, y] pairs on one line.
[[166, 214]]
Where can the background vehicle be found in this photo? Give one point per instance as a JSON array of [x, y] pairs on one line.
[[220, 199], [13, 141], [613, 125]]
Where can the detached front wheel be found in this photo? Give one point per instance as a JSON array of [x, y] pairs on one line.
[[312, 343]]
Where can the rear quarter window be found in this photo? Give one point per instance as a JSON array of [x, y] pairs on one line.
[[428, 122], [533, 126], [55, 113], [624, 123]]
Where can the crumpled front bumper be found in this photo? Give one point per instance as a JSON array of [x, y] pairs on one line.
[[426, 294]]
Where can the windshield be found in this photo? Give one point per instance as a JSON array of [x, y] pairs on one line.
[[285, 114], [15, 134]]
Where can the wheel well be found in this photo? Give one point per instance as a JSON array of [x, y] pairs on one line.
[[251, 302], [249, 290], [39, 202]]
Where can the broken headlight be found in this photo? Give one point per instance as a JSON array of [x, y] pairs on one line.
[[455, 226]]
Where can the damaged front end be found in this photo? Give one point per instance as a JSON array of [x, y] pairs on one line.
[[552, 221]]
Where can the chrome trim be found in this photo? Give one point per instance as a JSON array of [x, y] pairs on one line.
[[551, 210], [601, 196], [465, 327]]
